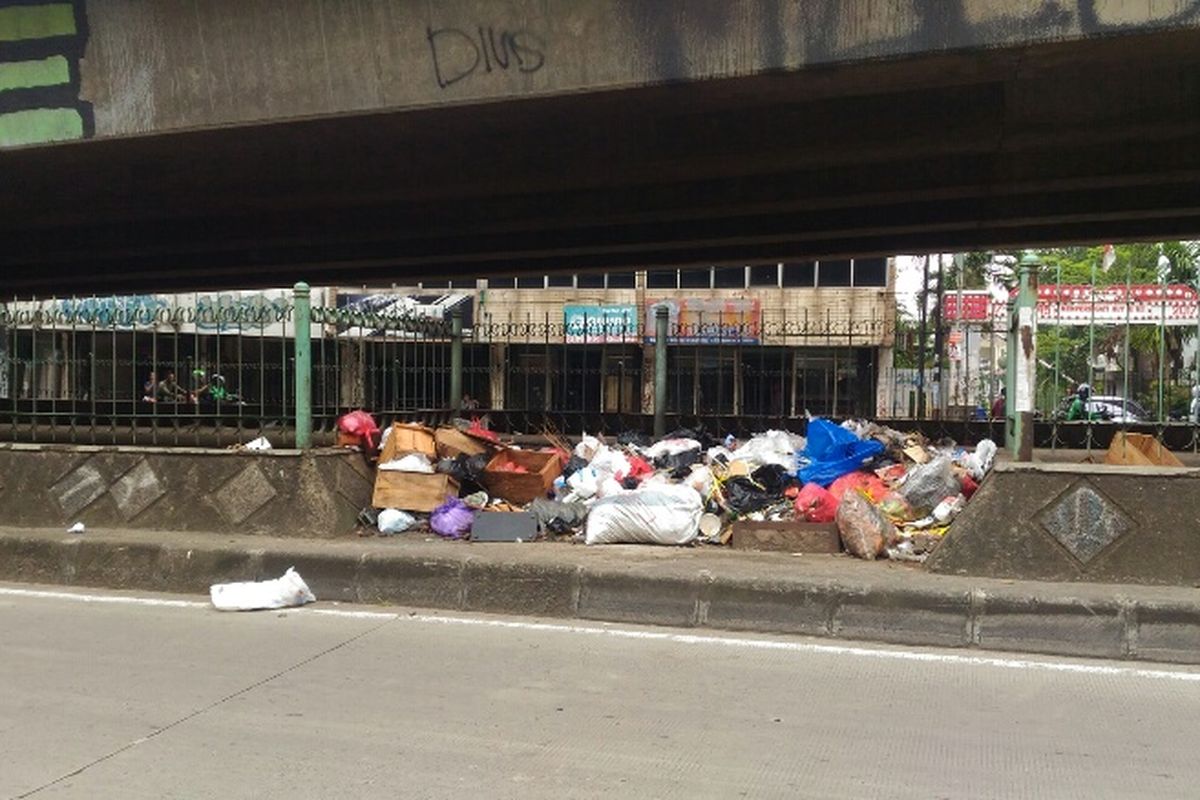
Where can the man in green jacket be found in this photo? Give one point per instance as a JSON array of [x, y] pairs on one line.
[[1078, 410]]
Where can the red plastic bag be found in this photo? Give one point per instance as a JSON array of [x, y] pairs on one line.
[[361, 424], [476, 429], [866, 482], [815, 504], [969, 486]]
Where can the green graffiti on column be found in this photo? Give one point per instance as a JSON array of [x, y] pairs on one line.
[[41, 45]]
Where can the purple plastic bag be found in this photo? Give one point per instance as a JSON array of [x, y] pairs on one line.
[[452, 519]]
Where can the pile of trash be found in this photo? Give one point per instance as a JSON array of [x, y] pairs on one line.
[[888, 494]]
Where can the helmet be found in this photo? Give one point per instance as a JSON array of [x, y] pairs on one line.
[[1084, 390]]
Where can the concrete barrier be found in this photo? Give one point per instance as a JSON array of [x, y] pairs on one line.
[[279, 492], [1079, 522]]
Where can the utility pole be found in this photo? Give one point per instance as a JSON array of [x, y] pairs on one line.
[[939, 339], [924, 299]]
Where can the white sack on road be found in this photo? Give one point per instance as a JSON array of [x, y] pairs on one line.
[[289, 590]]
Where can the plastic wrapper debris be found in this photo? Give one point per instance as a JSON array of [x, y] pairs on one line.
[[816, 504], [556, 517], [283, 592], [659, 514], [774, 478], [587, 448], [969, 486], [979, 463], [573, 465], [859, 481], [610, 463], [744, 496], [864, 529], [833, 451], [948, 509], [452, 519], [413, 462], [582, 485], [633, 439], [772, 447], [701, 479], [670, 447], [477, 500], [260, 443], [393, 520], [896, 507], [927, 484]]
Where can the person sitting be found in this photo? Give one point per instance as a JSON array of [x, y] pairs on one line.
[[150, 387], [998, 407], [169, 390]]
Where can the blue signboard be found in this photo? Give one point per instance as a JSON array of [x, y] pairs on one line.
[[601, 324]]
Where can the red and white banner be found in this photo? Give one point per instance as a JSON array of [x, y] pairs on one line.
[[1081, 304]]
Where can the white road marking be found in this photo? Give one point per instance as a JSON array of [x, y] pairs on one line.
[[601, 629]]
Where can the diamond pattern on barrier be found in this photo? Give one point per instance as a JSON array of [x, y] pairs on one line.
[[244, 494], [1084, 521]]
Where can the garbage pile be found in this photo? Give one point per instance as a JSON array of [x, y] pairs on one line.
[[874, 491]]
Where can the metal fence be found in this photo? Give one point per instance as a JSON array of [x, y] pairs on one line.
[[212, 371]]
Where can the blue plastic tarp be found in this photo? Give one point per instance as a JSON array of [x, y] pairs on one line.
[[832, 451]]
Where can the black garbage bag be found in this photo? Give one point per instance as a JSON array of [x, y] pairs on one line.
[[475, 465], [706, 439], [774, 478], [467, 470], [557, 518], [679, 464], [573, 465], [633, 439], [744, 496], [454, 467]]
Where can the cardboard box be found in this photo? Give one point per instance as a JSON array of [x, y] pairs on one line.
[[787, 537], [520, 488], [408, 438], [1140, 450], [412, 491], [452, 442]]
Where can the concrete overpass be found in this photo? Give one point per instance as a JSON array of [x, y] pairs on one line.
[[178, 144]]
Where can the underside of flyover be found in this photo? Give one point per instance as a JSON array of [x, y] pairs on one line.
[[1090, 141]]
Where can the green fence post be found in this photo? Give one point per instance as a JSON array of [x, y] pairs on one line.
[[456, 360], [303, 326], [1022, 363], [660, 370]]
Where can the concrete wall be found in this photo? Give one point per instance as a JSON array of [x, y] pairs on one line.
[[278, 492], [169, 64], [1079, 522]]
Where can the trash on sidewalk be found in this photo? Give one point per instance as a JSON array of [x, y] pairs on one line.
[[260, 443], [283, 592], [452, 519], [881, 490], [504, 526], [358, 429], [658, 514], [78, 527], [864, 529], [1139, 449], [392, 521]]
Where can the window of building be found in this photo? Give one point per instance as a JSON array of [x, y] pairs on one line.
[[590, 280], [695, 278], [662, 279], [560, 280], [834, 273], [621, 280], [764, 275], [870, 272], [802, 274], [729, 278], [531, 282]]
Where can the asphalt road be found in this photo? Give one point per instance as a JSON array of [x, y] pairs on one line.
[[129, 697]]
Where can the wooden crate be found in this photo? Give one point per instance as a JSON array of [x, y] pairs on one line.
[[408, 438], [520, 488], [1139, 449], [452, 442], [412, 491], [787, 537]]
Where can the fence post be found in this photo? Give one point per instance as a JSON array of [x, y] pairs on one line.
[[660, 370], [456, 361], [303, 325]]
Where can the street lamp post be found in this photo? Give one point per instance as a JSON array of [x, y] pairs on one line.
[[1164, 272]]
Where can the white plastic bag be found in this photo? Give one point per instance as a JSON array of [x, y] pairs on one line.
[[393, 520], [289, 590], [772, 447], [659, 514], [583, 483], [260, 443], [979, 463], [587, 447], [609, 463], [413, 462], [670, 447]]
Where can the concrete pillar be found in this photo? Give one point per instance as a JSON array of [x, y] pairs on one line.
[[1022, 363], [498, 371], [885, 382]]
